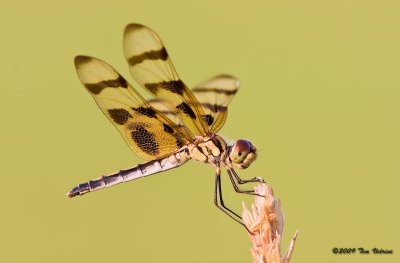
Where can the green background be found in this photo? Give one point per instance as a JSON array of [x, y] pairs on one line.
[[319, 98]]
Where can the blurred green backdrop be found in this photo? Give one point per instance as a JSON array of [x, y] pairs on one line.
[[319, 98]]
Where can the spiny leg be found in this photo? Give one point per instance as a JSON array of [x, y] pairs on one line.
[[218, 193], [250, 192], [253, 180], [223, 208]]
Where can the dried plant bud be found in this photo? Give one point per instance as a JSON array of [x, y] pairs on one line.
[[266, 223]]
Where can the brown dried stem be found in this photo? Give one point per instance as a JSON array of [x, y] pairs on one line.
[[266, 223]]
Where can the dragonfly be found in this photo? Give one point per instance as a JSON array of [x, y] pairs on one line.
[[178, 124]]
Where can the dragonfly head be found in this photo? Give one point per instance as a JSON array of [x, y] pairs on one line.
[[242, 153]]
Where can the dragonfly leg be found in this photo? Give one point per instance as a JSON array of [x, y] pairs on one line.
[[221, 204], [237, 189], [253, 180]]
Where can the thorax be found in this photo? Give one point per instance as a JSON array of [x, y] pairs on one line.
[[210, 149]]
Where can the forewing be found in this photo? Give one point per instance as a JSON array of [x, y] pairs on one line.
[[149, 133], [152, 68], [160, 107], [214, 96]]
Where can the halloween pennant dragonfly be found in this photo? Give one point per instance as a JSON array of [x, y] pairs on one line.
[[179, 124]]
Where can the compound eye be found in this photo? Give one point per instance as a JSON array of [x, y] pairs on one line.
[[240, 150], [242, 146]]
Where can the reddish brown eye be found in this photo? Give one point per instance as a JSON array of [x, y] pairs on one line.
[[242, 146], [243, 153]]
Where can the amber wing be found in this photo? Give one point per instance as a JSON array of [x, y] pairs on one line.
[[148, 132], [152, 68]]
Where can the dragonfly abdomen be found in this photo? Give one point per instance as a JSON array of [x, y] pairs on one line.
[[139, 171]]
